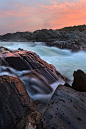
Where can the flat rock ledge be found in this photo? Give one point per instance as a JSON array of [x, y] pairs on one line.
[[66, 110], [16, 108]]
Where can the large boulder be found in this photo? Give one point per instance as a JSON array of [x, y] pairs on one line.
[[66, 110], [37, 75], [16, 108], [79, 82], [27, 60]]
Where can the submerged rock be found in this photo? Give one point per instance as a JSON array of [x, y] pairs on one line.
[[66, 110], [2, 49], [79, 82], [16, 107]]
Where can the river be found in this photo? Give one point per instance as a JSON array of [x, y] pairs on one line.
[[65, 61]]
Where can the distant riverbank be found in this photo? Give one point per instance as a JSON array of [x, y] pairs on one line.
[[72, 39]]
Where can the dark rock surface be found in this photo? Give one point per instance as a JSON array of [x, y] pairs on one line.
[[66, 110], [2, 49], [79, 82], [36, 74], [27, 60], [73, 40], [16, 107]]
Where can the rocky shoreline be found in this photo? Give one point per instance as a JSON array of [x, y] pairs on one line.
[[74, 40], [27, 100]]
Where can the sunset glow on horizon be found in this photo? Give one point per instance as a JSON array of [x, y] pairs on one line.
[[26, 15]]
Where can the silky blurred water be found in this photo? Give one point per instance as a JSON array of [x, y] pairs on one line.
[[65, 61]]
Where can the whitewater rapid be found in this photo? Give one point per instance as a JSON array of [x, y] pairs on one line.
[[65, 61]]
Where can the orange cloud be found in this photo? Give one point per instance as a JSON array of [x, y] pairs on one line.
[[55, 15], [65, 14], [64, 6]]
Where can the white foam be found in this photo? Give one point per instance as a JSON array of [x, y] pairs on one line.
[[65, 61]]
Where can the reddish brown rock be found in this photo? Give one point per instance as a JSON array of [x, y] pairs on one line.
[[27, 60], [79, 82], [36, 74], [16, 107]]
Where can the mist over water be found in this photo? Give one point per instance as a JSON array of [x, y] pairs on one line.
[[65, 61]]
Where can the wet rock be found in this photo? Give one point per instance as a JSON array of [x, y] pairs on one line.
[[2, 49], [37, 75], [66, 110], [27, 60], [66, 84], [20, 49], [79, 82], [16, 107]]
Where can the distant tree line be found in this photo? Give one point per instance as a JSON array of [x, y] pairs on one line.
[[72, 28]]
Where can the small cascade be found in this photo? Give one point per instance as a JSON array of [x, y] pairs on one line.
[[37, 75]]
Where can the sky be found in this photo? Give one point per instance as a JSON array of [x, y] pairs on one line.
[[31, 15]]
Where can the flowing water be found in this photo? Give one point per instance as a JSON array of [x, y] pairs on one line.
[[65, 61]]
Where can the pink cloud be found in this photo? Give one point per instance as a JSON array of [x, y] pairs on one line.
[[54, 16], [65, 14]]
